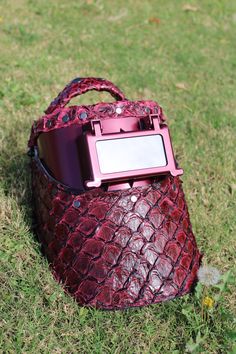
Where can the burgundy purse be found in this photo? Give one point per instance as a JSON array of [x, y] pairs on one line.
[[110, 210]]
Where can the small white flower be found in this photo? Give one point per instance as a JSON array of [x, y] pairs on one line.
[[208, 275]]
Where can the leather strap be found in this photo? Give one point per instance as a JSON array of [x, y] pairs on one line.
[[80, 86]]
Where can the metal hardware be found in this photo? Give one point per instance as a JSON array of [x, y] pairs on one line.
[[127, 155]]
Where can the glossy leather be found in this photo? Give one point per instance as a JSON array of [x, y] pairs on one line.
[[120, 248]]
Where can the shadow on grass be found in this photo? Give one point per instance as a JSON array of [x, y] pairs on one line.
[[16, 182]]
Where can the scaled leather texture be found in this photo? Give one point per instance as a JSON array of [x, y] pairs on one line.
[[113, 249]]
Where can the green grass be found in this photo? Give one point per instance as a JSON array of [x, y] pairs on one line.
[[43, 45]]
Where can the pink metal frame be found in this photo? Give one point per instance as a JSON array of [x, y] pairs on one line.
[[96, 135]]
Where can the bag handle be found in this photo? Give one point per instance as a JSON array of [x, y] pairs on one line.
[[80, 86]]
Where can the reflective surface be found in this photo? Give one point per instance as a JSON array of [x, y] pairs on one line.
[[133, 153]]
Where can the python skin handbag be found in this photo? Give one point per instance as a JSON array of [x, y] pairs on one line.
[[109, 206]]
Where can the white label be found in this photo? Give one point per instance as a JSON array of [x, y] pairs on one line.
[[134, 153]]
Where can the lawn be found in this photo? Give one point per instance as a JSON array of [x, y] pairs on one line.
[[179, 53]]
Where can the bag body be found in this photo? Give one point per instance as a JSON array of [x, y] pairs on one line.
[[117, 245]]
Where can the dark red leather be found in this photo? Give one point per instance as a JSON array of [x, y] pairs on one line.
[[80, 86], [108, 251]]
